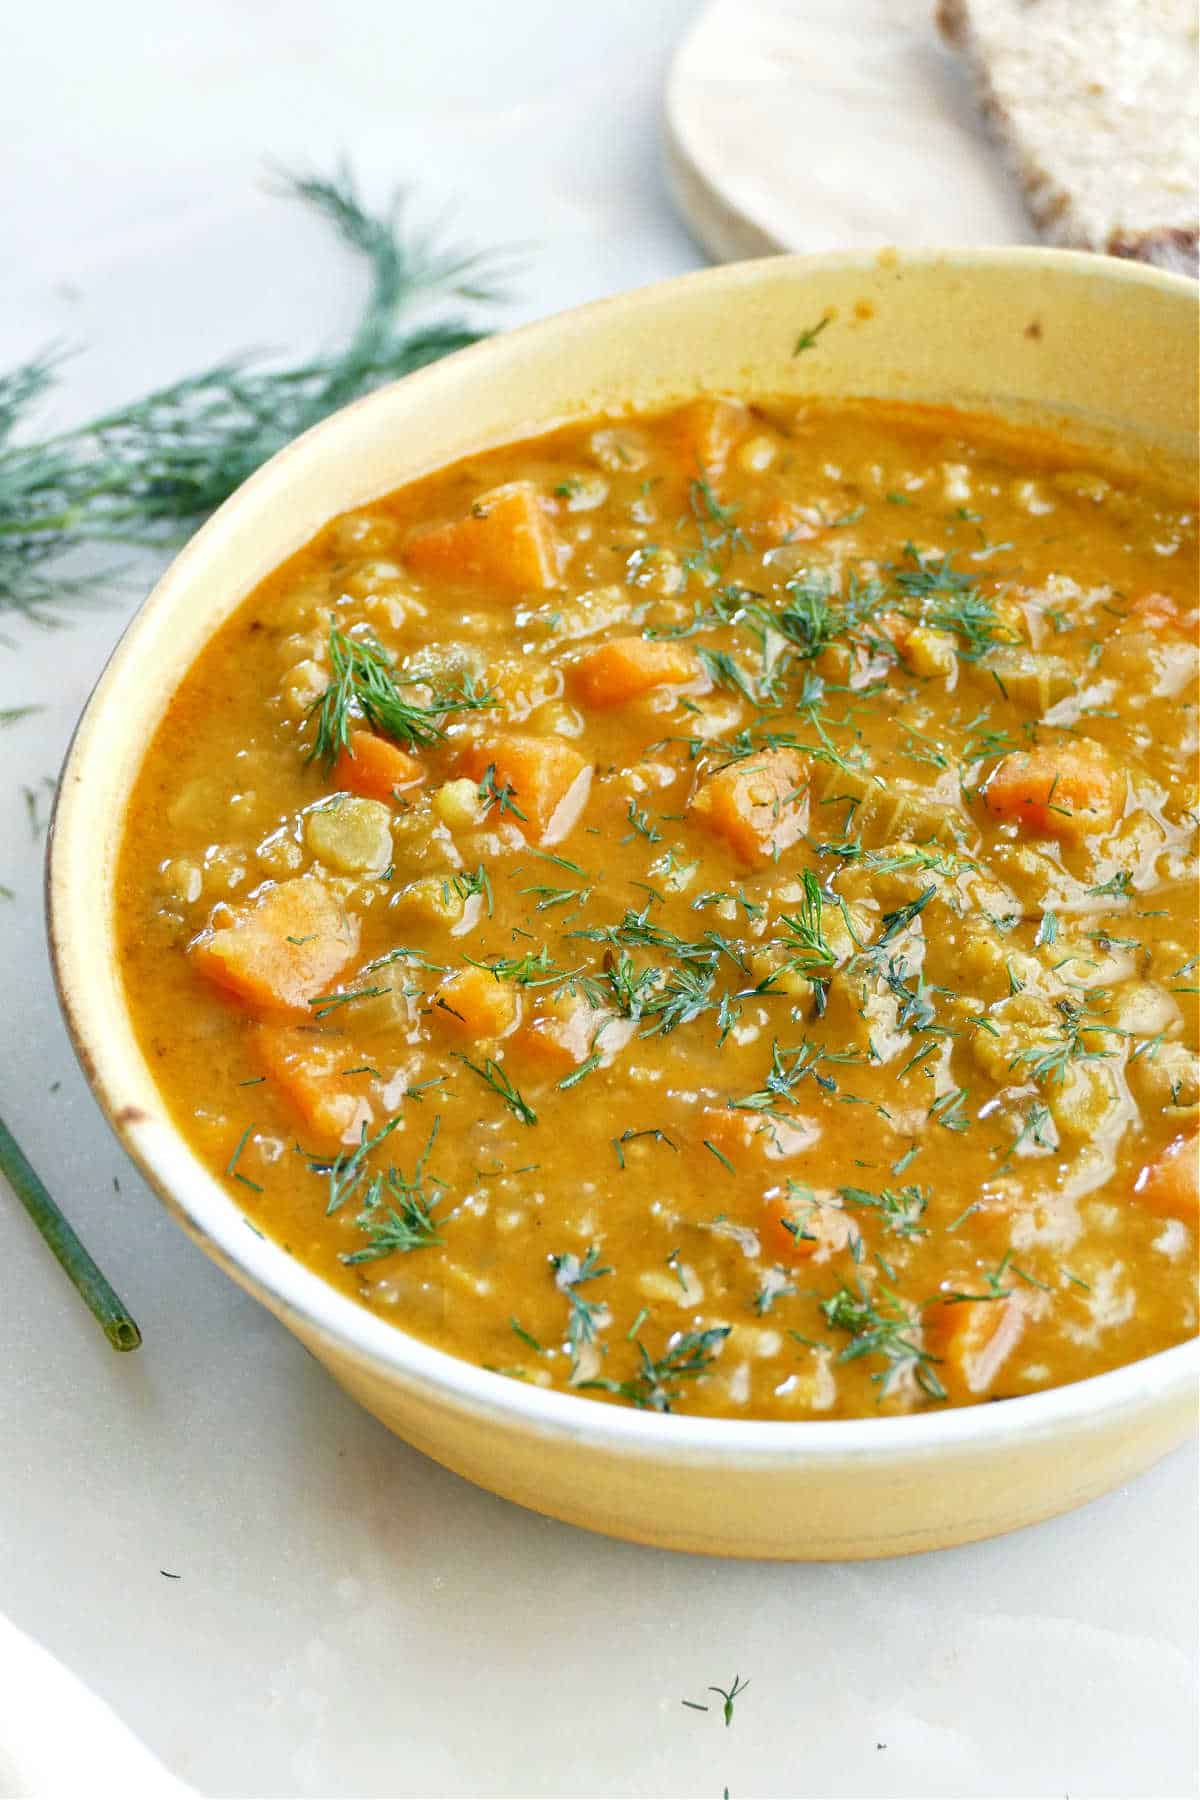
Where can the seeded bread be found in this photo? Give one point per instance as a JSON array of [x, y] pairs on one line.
[[1095, 104]]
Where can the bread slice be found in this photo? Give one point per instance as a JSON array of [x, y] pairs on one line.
[[1095, 104]]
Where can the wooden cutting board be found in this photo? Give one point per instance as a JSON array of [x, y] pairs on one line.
[[830, 124]]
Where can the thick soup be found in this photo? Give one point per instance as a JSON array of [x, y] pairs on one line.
[[700, 911]]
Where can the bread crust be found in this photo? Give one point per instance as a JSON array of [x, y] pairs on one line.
[[1106, 161]]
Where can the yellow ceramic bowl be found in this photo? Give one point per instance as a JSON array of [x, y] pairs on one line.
[[1105, 350]]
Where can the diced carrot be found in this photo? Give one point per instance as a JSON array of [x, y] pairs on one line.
[[545, 782], [283, 949], [705, 432], [565, 1030], [759, 805], [795, 1230], [310, 1071], [473, 1003], [1157, 611], [751, 1137], [1062, 791], [972, 1339], [505, 541], [625, 667], [374, 768], [1170, 1186], [560, 1034]]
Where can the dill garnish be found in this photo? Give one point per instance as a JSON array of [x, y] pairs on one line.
[[804, 934], [1048, 1059], [640, 820], [231, 1167], [888, 1330], [812, 620], [950, 601], [537, 968], [500, 797], [146, 473], [656, 1383], [808, 337], [784, 1076], [629, 1136], [365, 683], [323, 1004], [899, 1208], [526, 1337], [570, 1274], [896, 922], [491, 1073], [397, 1212], [348, 1170], [728, 1696]]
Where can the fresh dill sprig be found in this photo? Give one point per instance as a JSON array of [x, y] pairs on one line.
[[537, 968], [895, 922], [813, 619], [729, 1695], [656, 1383], [364, 683], [490, 1072], [889, 1330], [810, 334], [397, 1211], [501, 797], [899, 1208], [950, 601], [805, 939], [570, 1274], [784, 1075], [1048, 1059], [146, 473], [348, 1170]]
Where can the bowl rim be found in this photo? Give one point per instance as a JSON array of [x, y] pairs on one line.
[[304, 1300]]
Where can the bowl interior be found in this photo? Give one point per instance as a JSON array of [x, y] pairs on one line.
[[1101, 351]]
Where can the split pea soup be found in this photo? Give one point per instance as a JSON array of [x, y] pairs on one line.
[[699, 911]]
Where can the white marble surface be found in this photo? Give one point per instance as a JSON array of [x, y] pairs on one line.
[[348, 1618]]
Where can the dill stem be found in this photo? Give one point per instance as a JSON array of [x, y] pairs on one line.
[[106, 1306]]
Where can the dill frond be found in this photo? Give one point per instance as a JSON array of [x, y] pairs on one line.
[[145, 474], [365, 683]]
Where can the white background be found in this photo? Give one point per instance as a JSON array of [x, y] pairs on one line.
[[349, 1618]]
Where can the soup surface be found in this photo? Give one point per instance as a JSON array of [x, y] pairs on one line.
[[700, 910]]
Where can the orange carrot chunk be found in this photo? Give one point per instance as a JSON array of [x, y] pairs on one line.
[[972, 1339], [283, 949], [560, 1034], [705, 432], [625, 667], [472, 1003], [1170, 1186], [505, 541], [372, 767], [746, 1137], [758, 805], [310, 1072], [793, 1229], [540, 784], [1064, 791], [564, 1032]]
